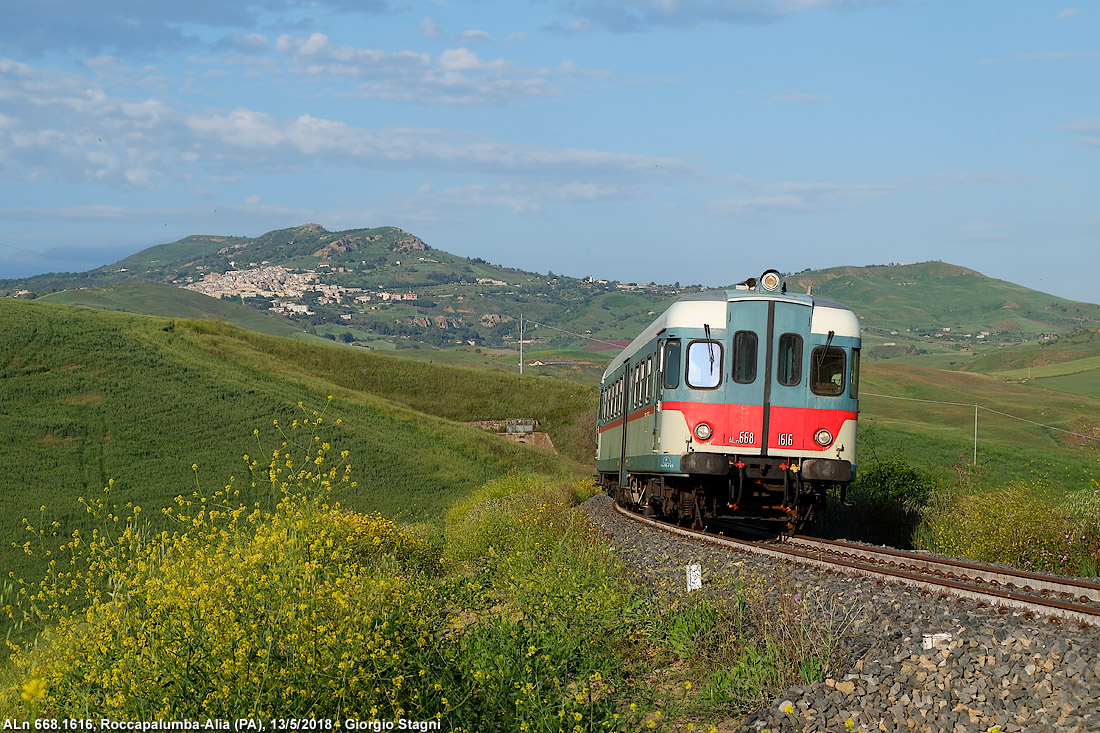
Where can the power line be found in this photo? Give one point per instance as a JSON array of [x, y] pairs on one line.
[[570, 333], [28, 251], [978, 407]]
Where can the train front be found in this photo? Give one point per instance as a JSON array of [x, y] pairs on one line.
[[751, 411]]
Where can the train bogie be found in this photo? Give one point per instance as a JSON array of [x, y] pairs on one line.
[[738, 402]]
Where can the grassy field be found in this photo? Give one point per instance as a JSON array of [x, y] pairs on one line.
[[90, 396], [902, 415], [156, 408]]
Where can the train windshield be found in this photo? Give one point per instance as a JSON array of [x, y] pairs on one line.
[[827, 371], [704, 364]]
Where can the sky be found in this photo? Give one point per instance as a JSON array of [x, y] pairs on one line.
[[690, 141]]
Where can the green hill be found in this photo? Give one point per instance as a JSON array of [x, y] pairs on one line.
[[384, 288], [161, 299], [938, 306], [89, 396]]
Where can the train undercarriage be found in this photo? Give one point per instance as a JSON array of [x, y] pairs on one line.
[[768, 491]]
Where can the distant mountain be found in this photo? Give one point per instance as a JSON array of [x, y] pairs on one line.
[[386, 288]]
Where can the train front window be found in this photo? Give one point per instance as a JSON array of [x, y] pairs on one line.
[[827, 371], [744, 357], [704, 364], [672, 364], [789, 368]]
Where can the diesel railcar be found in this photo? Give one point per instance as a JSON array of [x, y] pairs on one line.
[[736, 403]]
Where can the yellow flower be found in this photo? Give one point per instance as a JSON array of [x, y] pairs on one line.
[[788, 709], [34, 689]]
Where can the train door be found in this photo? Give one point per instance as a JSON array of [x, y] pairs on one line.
[[624, 396], [785, 393], [745, 389], [766, 363]]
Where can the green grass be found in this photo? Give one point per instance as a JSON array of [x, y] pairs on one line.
[[89, 396], [1085, 384], [522, 619], [931, 431]]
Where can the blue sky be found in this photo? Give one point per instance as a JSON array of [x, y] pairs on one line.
[[698, 141]]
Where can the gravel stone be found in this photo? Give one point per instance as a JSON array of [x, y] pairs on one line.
[[998, 669]]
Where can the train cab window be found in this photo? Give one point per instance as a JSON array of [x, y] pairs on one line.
[[827, 371], [744, 357], [853, 389], [788, 370], [704, 364], [672, 364]]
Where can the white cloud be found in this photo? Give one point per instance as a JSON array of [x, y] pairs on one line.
[[795, 196], [1087, 131], [639, 15], [458, 76], [474, 35], [462, 59], [1068, 13], [984, 231], [430, 27]]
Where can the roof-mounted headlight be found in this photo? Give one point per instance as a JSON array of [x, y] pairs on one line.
[[771, 280]]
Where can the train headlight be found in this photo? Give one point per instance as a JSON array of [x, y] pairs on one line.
[[703, 431], [823, 438], [771, 281]]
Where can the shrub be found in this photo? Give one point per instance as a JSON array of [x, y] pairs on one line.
[[1018, 525], [895, 482]]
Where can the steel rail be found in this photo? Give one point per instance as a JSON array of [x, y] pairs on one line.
[[1083, 613], [1083, 591]]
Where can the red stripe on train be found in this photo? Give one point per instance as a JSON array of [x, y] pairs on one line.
[[741, 426]]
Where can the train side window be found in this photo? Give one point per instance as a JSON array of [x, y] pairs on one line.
[[853, 389], [789, 368], [827, 371], [744, 357], [672, 364], [648, 379], [704, 364]]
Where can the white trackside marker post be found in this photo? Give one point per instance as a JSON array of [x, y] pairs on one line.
[[694, 577]]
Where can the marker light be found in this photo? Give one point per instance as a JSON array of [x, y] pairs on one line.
[[823, 438], [703, 431], [771, 280]]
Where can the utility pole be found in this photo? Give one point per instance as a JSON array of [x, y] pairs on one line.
[[975, 434], [521, 343]]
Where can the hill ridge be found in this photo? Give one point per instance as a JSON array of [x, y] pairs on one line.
[[383, 287]]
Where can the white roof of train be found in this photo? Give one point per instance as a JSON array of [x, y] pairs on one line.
[[709, 306]]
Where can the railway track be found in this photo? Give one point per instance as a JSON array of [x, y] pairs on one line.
[[1059, 599]]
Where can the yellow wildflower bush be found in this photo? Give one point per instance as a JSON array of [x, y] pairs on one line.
[[236, 611]]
